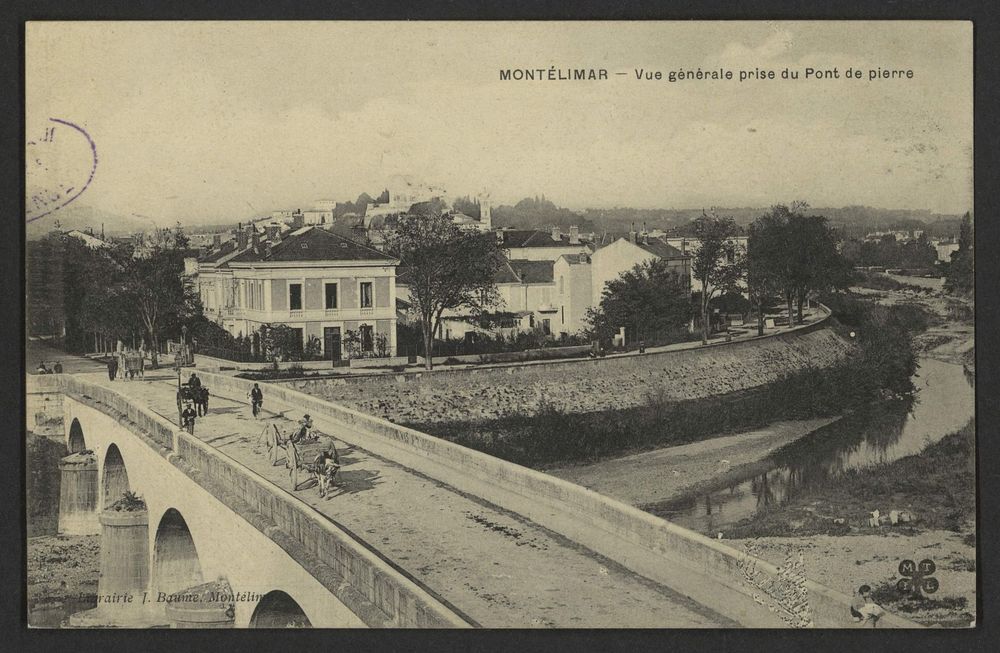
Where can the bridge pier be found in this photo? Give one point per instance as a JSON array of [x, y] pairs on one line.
[[78, 494], [122, 586]]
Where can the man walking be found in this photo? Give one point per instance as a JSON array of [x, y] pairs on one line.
[[256, 400], [112, 368]]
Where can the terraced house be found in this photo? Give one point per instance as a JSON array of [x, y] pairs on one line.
[[317, 282]]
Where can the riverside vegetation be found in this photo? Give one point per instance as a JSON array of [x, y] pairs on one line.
[[880, 366]]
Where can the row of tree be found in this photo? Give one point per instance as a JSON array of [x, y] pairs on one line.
[[107, 292], [788, 256]]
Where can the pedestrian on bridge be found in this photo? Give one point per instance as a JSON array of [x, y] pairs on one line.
[[256, 397], [187, 418]]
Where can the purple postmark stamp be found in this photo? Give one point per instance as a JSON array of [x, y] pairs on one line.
[[59, 166]]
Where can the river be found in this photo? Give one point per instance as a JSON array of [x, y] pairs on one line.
[[944, 403]]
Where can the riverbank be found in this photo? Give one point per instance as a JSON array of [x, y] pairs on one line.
[[62, 577], [844, 563], [667, 472], [936, 488]]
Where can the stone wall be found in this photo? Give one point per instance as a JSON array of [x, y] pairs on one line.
[[583, 385]]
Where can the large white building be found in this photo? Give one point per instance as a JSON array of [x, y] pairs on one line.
[[318, 282]]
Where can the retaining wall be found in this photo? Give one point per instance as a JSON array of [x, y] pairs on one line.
[[580, 386], [652, 547]]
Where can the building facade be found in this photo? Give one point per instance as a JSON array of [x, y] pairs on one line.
[[327, 287]]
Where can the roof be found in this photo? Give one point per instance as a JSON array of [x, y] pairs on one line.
[[524, 271], [312, 245], [660, 248], [656, 246], [576, 259], [214, 256], [532, 238]]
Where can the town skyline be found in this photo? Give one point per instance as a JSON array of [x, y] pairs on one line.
[[219, 129]]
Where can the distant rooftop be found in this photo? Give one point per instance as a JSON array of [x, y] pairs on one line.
[[311, 244]]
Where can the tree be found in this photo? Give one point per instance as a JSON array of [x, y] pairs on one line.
[[649, 299], [154, 288], [813, 262], [795, 255], [717, 263], [961, 277], [444, 268], [766, 247]]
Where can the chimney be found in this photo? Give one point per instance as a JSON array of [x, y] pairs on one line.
[[684, 246], [645, 234], [241, 239], [273, 232], [556, 234], [298, 220], [631, 234], [216, 240], [255, 237], [574, 235], [267, 248]]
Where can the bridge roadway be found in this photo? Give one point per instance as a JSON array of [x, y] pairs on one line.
[[495, 567]]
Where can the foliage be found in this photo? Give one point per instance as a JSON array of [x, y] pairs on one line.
[[444, 268], [649, 300], [887, 252], [961, 276], [796, 254], [129, 502], [718, 262]]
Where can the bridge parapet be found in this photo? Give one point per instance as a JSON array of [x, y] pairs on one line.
[[379, 594]]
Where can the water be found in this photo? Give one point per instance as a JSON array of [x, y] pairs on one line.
[[944, 403]]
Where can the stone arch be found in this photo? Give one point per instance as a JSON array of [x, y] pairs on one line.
[[175, 559], [115, 476], [276, 609], [76, 441]]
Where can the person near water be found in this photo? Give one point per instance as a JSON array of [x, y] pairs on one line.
[[256, 397], [112, 368], [57, 369], [305, 425], [41, 369], [863, 607], [187, 418]]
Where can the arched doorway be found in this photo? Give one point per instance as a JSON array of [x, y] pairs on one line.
[[115, 476], [76, 441], [277, 609], [175, 559]]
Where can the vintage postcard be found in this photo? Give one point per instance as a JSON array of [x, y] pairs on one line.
[[500, 325]]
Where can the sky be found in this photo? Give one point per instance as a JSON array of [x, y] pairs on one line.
[[216, 122]]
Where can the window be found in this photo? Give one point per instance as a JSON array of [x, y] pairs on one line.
[[366, 294], [331, 295], [367, 337], [561, 289], [546, 326], [295, 296]]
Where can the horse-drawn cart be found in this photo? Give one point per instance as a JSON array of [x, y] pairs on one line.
[[298, 454]]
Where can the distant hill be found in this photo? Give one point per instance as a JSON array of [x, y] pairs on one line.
[[85, 218]]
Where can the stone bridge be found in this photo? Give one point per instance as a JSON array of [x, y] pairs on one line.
[[425, 533]]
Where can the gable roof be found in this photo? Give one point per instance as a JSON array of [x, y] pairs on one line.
[[217, 255], [660, 248], [312, 244], [524, 271], [532, 238]]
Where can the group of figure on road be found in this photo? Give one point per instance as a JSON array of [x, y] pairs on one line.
[[194, 397], [56, 369], [127, 364]]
